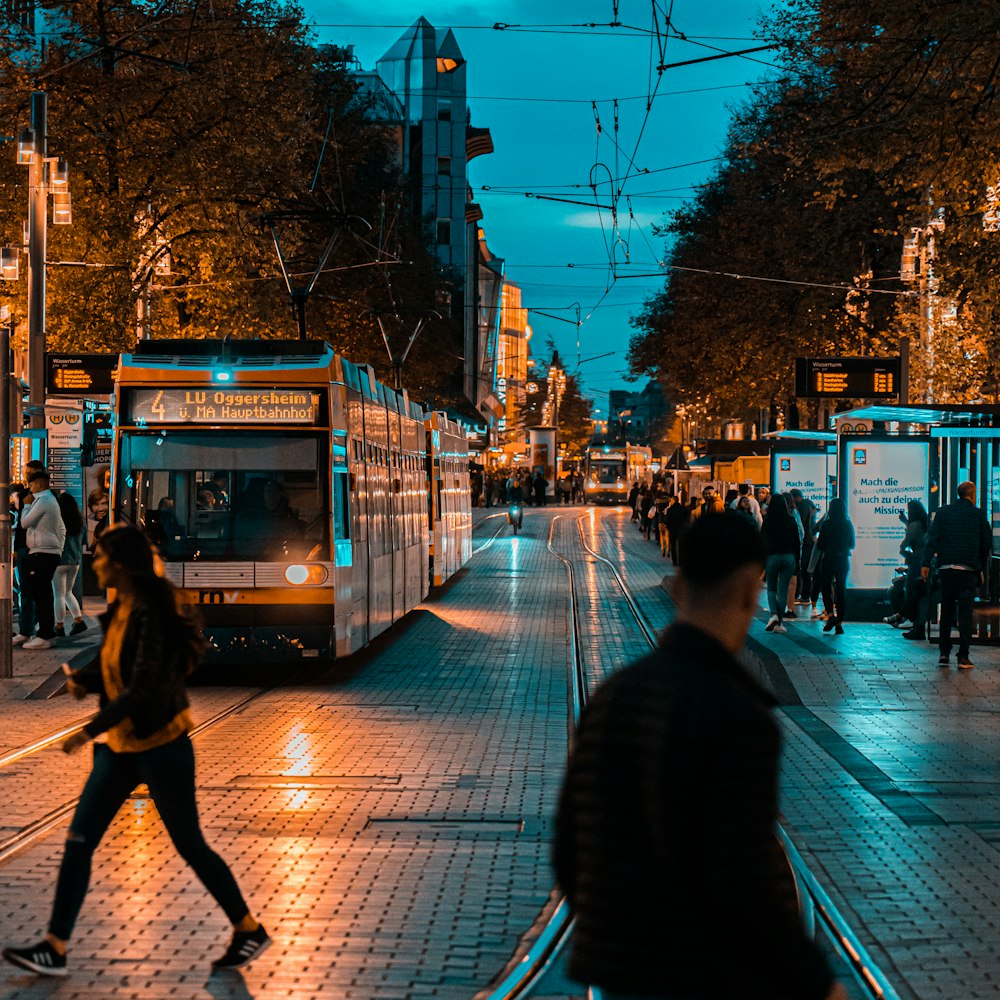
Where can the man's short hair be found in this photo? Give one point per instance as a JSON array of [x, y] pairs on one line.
[[797, 494], [39, 475], [743, 489], [716, 546], [35, 465], [967, 489]]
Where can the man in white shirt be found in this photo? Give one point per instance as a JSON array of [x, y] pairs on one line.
[[46, 535]]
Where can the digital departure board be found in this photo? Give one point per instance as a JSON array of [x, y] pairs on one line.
[[847, 378], [212, 405], [80, 374]]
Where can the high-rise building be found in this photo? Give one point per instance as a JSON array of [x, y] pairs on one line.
[[421, 81]]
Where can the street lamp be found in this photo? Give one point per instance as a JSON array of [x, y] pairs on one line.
[[46, 175]]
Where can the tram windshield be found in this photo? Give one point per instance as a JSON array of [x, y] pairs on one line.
[[242, 496], [607, 472]]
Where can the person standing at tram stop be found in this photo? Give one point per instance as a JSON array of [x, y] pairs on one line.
[[69, 567], [780, 535], [151, 642], [665, 833], [961, 541], [836, 541], [46, 536]]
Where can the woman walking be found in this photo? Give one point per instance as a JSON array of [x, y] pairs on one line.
[[780, 535], [69, 567], [835, 542], [150, 643]]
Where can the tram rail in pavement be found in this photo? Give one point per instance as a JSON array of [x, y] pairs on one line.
[[819, 912]]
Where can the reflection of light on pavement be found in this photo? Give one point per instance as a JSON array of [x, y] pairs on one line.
[[298, 749], [297, 799]]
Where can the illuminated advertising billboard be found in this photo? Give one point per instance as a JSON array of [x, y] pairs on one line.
[[808, 471], [878, 478]]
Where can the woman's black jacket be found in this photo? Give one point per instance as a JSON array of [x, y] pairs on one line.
[[153, 666]]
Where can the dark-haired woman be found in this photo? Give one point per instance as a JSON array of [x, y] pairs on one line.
[[69, 567], [914, 607], [150, 643], [780, 535], [836, 541]]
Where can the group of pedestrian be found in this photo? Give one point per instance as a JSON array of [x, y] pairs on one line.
[[801, 549], [49, 536], [952, 552], [493, 487]]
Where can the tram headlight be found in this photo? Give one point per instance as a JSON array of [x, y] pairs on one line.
[[303, 575]]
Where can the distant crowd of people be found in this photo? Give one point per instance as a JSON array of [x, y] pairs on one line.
[[491, 488]]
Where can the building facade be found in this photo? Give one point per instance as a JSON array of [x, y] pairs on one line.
[[425, 71]]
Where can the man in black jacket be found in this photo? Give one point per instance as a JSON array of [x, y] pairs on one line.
[[665, 839], [961, 539]]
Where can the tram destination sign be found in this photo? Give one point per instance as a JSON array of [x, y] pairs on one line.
[[212, 405], [847, 378]]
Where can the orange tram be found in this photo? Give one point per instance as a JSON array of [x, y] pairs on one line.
[[304, 506]]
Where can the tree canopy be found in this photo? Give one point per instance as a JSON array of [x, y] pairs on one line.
[[877, 127], [187, 125]]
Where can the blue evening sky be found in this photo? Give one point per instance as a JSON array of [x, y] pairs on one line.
[[533, 90]]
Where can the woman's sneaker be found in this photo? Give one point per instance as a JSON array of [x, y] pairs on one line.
[[78, 627], [41, 958], [772, 622], [243, 949]]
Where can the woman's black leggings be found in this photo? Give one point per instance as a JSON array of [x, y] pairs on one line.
[[168, 771]]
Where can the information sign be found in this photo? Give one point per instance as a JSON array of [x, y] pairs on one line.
[[879, 478], [80, 374], [223, 406], [847, 378]]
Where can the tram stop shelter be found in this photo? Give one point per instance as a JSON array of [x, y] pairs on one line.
[[889, 455], [804, 460]]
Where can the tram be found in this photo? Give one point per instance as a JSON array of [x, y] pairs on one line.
[[288, 491], [612, 471]]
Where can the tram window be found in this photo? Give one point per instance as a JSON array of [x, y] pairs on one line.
[[341, 507], [259, 495]]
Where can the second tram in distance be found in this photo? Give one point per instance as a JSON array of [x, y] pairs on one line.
[[611, 471], [301, 504]]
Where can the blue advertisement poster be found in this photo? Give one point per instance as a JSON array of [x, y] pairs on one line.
[[878, 479]]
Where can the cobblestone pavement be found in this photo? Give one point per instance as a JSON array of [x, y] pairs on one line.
[[390, 822], [891, 786]]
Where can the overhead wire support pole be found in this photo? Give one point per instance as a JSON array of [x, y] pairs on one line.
[[6, 569], [37, 238]]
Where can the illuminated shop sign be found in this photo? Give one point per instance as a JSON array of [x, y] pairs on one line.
[[223, 406]]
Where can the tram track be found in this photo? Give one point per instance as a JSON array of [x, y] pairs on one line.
[[819, 912], [38, 828]]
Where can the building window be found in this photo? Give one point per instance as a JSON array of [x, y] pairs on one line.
[[444, 165], [444, 114], [444, 230]]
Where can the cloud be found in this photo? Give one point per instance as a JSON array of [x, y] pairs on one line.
[[592, 219]]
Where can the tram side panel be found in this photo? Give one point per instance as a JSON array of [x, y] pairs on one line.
[[380, 577], [414, 495], [450, 506]]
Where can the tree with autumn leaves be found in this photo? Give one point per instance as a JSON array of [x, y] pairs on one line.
[[881, 123], [187, 125]]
